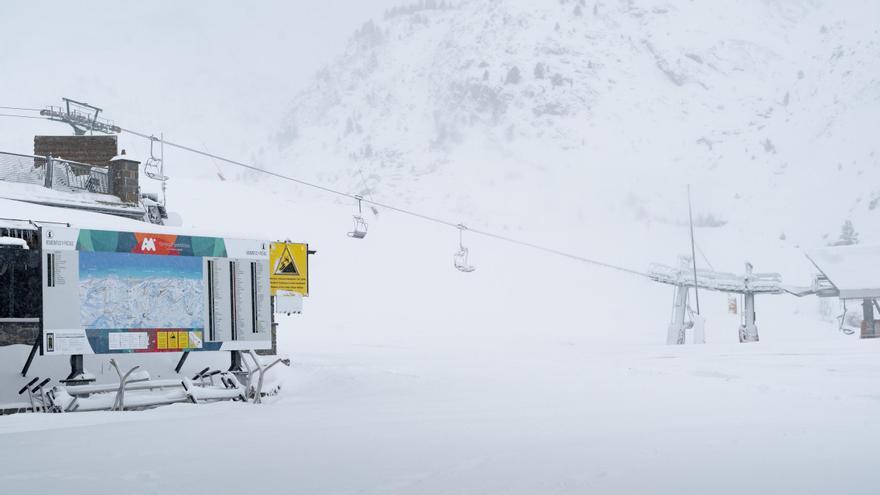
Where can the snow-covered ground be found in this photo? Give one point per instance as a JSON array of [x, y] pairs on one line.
[[368, 417], [530, 375], [535, 373]]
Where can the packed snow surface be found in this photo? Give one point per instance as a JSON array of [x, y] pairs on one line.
[[530, 375], [574, 125], [361, 416]]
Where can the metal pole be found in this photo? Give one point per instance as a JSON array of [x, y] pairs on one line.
[[50, 168], [676, 332], [750, 330], [693, 251], [76, 367], [235, 358], [162, 170], [181, 361], [30, 359], [868, 319]]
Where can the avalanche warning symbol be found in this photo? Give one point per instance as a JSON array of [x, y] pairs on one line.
[[286, 265], [290, 268]]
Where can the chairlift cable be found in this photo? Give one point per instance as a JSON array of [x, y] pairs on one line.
[[22, 116], [411, 213], [240, 164], [373, 202], [370, 201], [559, 252], [20, 108]]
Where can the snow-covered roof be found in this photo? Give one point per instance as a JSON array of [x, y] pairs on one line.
[[13, 241], [68, 199], [14, 223], [124, 157], [853, 270], [42, 215]]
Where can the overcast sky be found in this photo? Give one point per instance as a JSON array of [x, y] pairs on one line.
[[213, 74]]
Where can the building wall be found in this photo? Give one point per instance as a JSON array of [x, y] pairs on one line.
[[18, 333], [20, 296], [94, 150]]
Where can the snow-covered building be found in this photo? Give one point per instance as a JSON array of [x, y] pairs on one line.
[[20, 302], [81, 172], [853, 273]]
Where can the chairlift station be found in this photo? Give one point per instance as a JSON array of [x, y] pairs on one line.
[[62, 292]]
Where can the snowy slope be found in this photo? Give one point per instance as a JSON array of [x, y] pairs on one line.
[[575, 177], [534, 374], [509, 106], [410, 377], [373, 419], [531, 375]]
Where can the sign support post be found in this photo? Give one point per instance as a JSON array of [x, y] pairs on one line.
[[868, 329], [76, 368], [182, 360], [30, 359], [235, 361]]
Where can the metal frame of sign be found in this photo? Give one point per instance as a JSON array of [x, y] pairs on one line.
[[116, 292]]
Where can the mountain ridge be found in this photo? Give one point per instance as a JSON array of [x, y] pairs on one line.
[[621, 102]]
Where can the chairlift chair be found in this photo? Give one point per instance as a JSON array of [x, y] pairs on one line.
[[153, 165], [360, 225], [152, 169], [460, 259], [461, 262]]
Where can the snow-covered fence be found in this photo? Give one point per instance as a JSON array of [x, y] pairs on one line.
[[63, 175], [68, 175], [22, 168]]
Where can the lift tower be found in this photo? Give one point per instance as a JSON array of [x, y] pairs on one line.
[[84, 118]]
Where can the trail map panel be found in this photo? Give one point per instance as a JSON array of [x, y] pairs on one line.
[[289, 263], [120, 290], [109, 292]]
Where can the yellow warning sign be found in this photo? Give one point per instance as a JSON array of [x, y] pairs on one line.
[[289, 265]]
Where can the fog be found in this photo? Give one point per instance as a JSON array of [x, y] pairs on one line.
[[214, 74]]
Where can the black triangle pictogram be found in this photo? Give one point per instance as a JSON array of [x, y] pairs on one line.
[[286, 265]]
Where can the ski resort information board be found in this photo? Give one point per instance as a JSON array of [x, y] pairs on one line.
[[110, 292], [290, 268]]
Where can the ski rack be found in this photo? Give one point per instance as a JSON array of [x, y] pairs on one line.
[[37, 395], [135, 390], [256, 392], [142, 393]]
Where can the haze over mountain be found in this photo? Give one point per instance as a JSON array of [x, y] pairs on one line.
[[493, 108], [571, 124]]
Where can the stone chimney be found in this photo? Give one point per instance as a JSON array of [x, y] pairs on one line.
[[124, 178]]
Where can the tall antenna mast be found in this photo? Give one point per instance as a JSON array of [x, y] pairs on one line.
[[693, 250], [162, 168]]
